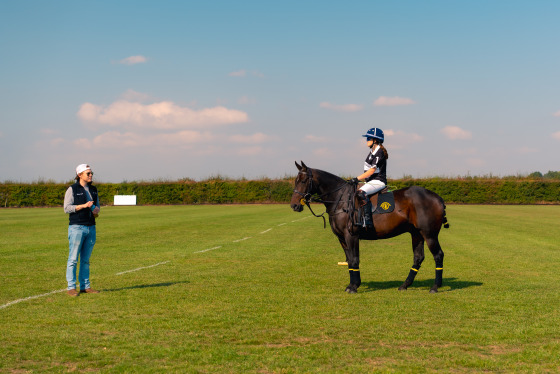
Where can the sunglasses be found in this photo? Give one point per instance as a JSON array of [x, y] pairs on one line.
[[90, 173]]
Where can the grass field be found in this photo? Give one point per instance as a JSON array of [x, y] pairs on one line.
[[257, 289]]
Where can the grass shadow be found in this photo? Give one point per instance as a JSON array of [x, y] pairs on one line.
[[452, 283], [166, 284]]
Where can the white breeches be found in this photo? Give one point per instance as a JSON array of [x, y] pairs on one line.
[[372, 187]]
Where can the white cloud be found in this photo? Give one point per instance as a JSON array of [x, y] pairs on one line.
[[556, 135], [393, 101], [456, 133], [341, 108], [250, 139], [557, 114], [400, 139], [118, 140], [250, 151], [133, 60], [161, 115], [314, 139]]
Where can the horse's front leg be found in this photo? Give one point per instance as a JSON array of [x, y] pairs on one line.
[[352, 250]]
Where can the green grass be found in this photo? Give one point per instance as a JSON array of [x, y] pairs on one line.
[[275, 302]]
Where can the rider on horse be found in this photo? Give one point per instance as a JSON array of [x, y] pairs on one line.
[[375, 175]]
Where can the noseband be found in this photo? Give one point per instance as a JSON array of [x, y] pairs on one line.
[[306, 197]]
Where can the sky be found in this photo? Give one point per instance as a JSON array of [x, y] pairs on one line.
[[166, 90]]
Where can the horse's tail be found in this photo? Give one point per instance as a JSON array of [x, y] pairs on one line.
[[445, 223]]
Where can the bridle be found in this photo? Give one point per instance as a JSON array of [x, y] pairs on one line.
[[307, 196]]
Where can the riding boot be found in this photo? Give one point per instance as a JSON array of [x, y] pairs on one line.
[[366, 204]]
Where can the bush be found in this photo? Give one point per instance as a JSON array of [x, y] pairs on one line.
[[221, 191]]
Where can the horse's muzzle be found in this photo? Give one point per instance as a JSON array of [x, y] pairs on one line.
[[297, 207]]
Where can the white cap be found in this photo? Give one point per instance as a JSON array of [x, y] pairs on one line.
[[81, 168]]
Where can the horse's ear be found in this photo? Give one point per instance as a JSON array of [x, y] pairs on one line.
[[303, 166], [298, 166]]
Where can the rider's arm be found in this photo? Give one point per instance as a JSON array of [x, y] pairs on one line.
[[367, 174]]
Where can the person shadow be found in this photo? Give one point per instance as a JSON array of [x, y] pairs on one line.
[[452, 283], [165, 284]]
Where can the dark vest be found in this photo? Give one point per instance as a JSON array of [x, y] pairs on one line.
[[85, 216]]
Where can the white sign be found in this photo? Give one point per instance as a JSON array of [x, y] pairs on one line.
[[124, 200]]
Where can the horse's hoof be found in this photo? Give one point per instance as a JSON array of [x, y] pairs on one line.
[[402, 288], [351, 290]]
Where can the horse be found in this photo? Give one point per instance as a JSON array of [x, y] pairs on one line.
[[417, 211]]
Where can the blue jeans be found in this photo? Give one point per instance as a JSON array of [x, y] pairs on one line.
[[81, 240]]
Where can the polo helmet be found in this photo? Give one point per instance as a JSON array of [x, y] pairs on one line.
[[375, 133]]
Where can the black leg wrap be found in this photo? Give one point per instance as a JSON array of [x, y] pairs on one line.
[[355, 277], [439, 276], [439, 272], [411, 275]]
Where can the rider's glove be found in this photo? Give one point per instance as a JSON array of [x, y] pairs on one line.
[[354, 181]]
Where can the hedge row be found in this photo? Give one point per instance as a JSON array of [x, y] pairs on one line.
[[278, 191], [211, 192]]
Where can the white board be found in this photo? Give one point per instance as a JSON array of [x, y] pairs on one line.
[[124, 200]]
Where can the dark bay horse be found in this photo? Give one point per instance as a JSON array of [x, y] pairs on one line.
[[418, 211]]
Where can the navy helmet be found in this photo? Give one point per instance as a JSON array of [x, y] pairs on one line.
[[375, 133]]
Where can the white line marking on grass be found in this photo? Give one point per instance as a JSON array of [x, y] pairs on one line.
[[240, 240], [209, 249], [133, 270], [144, 267], [30, 298], [301, 219]]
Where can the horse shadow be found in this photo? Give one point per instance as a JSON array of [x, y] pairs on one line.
[[452, 283], [140, 286]]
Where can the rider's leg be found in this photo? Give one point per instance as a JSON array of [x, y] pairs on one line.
[[364, 192]]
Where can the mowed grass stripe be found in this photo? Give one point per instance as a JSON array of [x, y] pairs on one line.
[[276, 302]]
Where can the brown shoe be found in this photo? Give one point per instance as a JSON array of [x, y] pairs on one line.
[[89, 290], [73, 293]]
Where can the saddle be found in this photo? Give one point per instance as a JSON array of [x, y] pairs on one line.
[[383, 201]]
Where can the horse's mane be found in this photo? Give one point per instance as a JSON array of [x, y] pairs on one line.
[[330, 176]]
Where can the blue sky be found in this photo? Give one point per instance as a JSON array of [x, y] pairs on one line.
[[146, 90]]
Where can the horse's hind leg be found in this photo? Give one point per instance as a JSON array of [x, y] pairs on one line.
[[418, 250], [435, 248]]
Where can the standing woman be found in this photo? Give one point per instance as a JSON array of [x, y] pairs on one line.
[[375, 169], [82, 204]]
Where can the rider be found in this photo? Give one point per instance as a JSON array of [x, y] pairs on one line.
[[375, 166]]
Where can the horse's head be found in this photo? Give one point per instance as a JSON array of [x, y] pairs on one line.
[[303, 187]]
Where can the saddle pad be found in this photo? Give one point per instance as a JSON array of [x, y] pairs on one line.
[[385, 203]]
